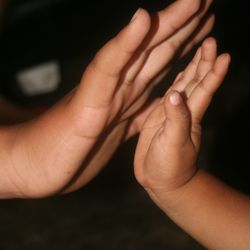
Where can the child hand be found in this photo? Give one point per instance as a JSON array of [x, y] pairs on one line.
[[169, 142]]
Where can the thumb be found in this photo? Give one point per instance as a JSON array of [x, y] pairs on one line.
[[177, 124]]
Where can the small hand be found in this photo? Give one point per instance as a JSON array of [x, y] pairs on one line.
[[169, 142]]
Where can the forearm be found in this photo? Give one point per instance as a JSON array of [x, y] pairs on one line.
[[211, 212]]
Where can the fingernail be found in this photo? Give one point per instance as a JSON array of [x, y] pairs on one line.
[[135, 15], [175, 99]]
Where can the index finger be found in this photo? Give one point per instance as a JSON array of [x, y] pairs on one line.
[[172, 18]]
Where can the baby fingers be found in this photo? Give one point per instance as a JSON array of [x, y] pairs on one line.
[[203, 93]]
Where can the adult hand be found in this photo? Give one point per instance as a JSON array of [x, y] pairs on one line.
[[67, 146]]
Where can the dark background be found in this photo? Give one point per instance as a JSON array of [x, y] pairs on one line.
[[113, 212]]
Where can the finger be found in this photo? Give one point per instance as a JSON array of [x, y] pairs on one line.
[[183, 79], [194, 39], [166, 23], [178, 77], [161, 56], [177, 125], [102, 75], [172, 18], [208, 57], [204, 92], [193, 27], [189, 72], [200, 33]]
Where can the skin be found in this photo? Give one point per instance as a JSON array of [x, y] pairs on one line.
[[194, 87], [67, 146], [165, 161]]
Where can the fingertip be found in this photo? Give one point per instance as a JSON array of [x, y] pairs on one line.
[[175, 98], [209, 42], [212, 18], [136, 30], [195, 5], [226, 57], [141, 15], [222, 64], [209, 49]]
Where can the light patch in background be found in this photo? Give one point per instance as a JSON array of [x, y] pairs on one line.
[[41, 79]]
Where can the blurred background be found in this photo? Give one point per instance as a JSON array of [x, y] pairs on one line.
[[44, 47]]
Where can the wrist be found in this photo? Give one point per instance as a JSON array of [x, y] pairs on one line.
[[169, 196]]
